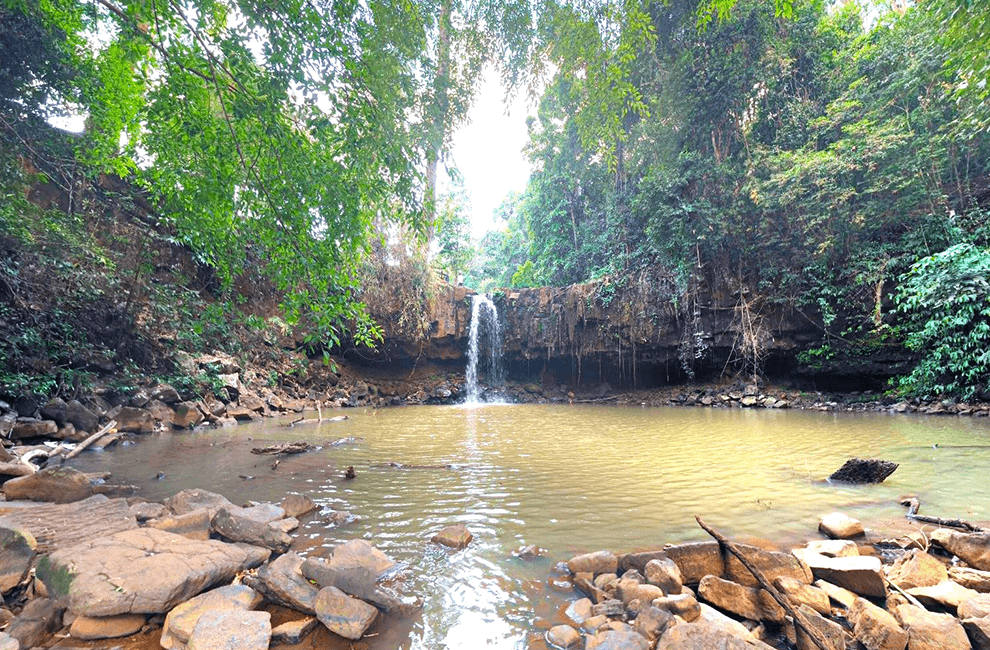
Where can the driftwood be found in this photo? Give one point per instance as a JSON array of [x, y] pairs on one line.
[[913, 505], [862, 470], [799, 619], [90, 440], [285, 448]]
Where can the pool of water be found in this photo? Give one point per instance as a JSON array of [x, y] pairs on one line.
[[568, 479]]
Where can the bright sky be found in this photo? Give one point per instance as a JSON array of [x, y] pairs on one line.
[[488, 151]]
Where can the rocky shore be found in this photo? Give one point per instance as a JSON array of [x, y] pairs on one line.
[[927, 591]]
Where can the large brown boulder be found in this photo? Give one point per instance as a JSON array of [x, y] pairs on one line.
[[142, 571], [282, 581], [930, 631], [56, 485], [343, 615], [238, 528], [916, 568], [32, 428], [745, 602], [972, 548], [710, 630], [17, 551], [859, 574], [80, 416], [876, 628], [182, 620]]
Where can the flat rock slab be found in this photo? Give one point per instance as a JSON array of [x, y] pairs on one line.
[[946, 593], [106, 627], [699, 559], [57, 526], [182, 620], [345, 616], [745, 602], [971, 578], [194, 524], [144, 571], [232, 630]]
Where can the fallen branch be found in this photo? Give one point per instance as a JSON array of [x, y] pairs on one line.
[[90, 440], [913, 505], [285, 448], [799, 619], [911, 599]]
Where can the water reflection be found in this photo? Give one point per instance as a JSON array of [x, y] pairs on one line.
[[568, 479]]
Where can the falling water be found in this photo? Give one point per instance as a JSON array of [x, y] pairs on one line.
[[484, 347]]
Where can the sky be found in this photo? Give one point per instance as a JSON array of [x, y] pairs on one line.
[[488, 151]]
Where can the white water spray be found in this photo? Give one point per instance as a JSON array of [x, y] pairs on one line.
[[485, 333]]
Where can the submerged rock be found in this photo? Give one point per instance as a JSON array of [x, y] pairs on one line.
[[860, 470], [456, 536]]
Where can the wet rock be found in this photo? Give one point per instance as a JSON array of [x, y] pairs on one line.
[[297, 505], [564, 636], [286, 525], [192, 525], [946, 594], [34, 624], [282, 580], [861, 575], [579, 611], [917, 568], [356, 568], [193, 499], [975, 607], [930, 631], [232, 630], [859, 470], [80, 416], [651, 622], [798, 594], [32, 428], [293, 632], [132, 419], [17, 551], [182, 620], [833, 547], [57, 485], [54, 409], [456, 536], [142, 571], [972, 548], [839, 526], [710, 630], [664, 574], [614, 640], [978, 631], [745, 602], [343, 615], [971, 578], [238, 528], [529, 552], [186, 416], [684, 605], [594, 563], [107, 627], [876, 628]]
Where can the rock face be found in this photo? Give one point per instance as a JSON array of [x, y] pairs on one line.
[[343, 615], [143, 571], [839, 526], [456, 536], [972, 548], [17, 551], [57, 485], [182, 620], [860, 470], [232, 630], [238, 528]]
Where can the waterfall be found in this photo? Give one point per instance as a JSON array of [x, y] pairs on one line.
[[484, 347]]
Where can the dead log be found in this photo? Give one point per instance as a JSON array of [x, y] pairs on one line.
[[913, 505], [863, 470], [799, 619], [285, 448], [90, 440]]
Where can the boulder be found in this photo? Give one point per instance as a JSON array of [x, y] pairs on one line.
[[831, 630], [836, 593], [57, 485], [8, 642], [297, 505], [745, 602], [193, 525], [564, 636], [193, 499], [917, 568], [978, 631], [232, 629], [32, 428], [615, 640], [186, 416], [876, 628], [34, 624], [145, 510], [356, 568], [652, 622], [975, 607], [456, 536], [859, 470], [946, 594], [579, 611], [839, 526], [26, 404], [684, 605], [695, 560], [639, 560], [161, 412], [132, 419], [14, 469], [594, 563], [630, 590], [70, 433], [798, 593], [664, 574], [54, 409], [283, 582], [142, 571], [263, 513], [345, 616], [238, 528], [710, 630], [293, 632], [971, 578], [80, 416], [182, 620], [861, 575], [971, 548], [17, 551], [164, 393], [90, 628], [930, 631]]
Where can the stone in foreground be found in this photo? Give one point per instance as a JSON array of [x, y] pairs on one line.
[[456, 536], [293, 632], [859, 574], [615, 640], [231, 525], [972, 548], [17, 550], [182, 620], [345, 616], [143, 571], [283, 582], [564, 636], [58, 485], [839, 526], [595, 563], [745, 602], [711, 630], [930, 631], [875, 627], [232, 630], [106, 627], [917, 568]]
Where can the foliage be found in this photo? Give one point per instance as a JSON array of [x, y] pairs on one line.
[[946, 302]]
